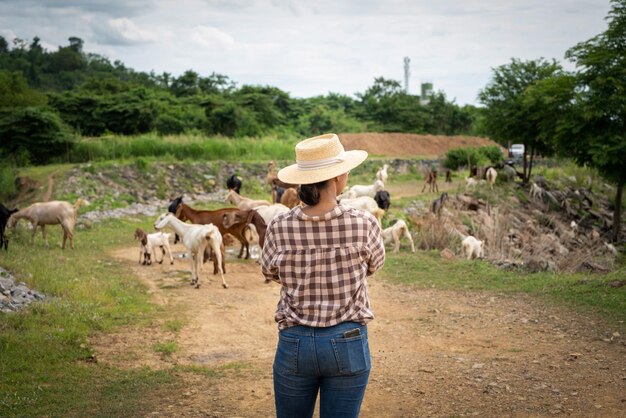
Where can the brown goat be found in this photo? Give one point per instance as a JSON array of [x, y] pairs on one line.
[[241, 218], [431, 182], [204, 217], [290, 198]]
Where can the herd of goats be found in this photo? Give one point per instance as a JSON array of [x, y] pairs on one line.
[[202, 232]]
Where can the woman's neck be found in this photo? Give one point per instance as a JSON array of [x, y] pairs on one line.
[[327, 202]]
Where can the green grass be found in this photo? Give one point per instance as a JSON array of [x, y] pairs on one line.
[[589, 292], [167, 348], [180, 147], [173, 325]]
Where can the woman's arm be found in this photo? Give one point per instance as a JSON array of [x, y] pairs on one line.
[[376, 249]]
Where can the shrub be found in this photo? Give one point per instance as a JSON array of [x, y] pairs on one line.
[[35, 132], [8, 177], [459, 157]]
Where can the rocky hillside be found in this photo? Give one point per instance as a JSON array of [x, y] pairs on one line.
[[566, 227]]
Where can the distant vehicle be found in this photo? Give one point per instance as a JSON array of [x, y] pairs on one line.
[[516, 151]]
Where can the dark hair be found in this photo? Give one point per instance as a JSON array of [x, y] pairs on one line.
[[310, 193]]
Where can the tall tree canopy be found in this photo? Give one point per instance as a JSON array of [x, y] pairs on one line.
[[509, 115], [600, 122]]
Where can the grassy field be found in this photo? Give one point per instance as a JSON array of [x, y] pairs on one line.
[[46, 366]]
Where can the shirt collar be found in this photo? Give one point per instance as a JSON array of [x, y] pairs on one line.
[[335, 213]]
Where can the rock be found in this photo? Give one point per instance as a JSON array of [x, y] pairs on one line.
[[534, 265], [447, 254], [5, 284]]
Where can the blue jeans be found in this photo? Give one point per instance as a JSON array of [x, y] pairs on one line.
[[311, 359]]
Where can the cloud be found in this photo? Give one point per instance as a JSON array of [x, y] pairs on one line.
[[213, 38], [122, 31], [106, 7]]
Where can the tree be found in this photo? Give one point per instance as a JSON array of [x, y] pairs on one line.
[[33, 134], [14, 92], [600, 118], [509, 115], [4, 45], [186, 84]]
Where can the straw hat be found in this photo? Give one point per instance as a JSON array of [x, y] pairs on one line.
[[320, 158]]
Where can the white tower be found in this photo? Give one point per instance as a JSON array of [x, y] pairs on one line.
[[407, 74]]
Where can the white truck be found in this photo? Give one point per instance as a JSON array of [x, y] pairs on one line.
[[516, 151]]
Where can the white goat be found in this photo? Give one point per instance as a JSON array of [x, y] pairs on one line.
[[491, 176], [470, 182], [472, 247], [244, 203], [150, 242], [50, 213], [395, 233], [536, 192], [365, 203], [268, 212], [370, 190], [381, 174], [196, 239]]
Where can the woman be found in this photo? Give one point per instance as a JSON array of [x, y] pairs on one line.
[[321, 254]]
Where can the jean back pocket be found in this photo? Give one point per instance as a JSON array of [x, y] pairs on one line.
[[286, 359], [352, 354]]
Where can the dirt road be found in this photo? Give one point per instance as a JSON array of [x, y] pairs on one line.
[[434, 353]]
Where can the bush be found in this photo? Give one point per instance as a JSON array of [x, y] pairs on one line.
[[8, 186], [459, 157], [493, 153], [35, 133]]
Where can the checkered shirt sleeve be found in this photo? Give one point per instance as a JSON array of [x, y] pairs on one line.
[[322, 264]]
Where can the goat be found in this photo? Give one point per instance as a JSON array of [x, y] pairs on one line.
[[149, 243], [472, 247], [277, 193], [536, 192], [243, 218], [244, 203], [269, 212], [438, 203], [172, 209], [290, 198], [395, 233], [196, 239], [144, 254], [366, 204], [271, 172], [5, 214], [203, 217], [233, 183], [369, 190], [431, 182], [491, 174], [470, 182], [383, 199], [50, 213], [381, 174], [174, 204]]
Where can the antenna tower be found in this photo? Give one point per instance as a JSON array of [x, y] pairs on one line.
[[407, 74]]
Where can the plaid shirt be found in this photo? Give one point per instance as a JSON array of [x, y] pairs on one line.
[[322, 263]]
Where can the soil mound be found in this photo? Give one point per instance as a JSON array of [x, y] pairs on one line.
[[406, 145]]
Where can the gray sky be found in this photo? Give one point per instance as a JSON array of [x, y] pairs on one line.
[[314, 47]]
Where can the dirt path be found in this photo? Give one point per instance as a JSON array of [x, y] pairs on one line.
[[46, 196], [434, 353]]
